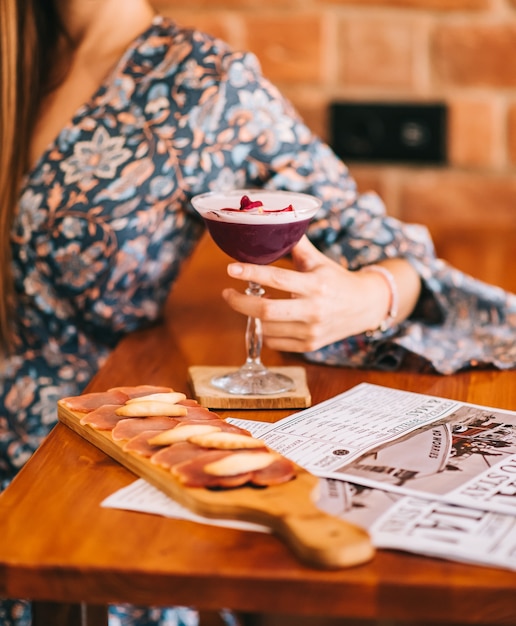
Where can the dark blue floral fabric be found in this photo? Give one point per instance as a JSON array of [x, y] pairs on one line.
[[104, 223]]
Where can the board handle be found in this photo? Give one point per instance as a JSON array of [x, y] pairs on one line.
[[319, 539], [325, 541]]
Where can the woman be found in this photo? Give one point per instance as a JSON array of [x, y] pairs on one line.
[[112, 118]]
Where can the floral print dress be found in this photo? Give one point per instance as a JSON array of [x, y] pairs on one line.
[[104, 223]]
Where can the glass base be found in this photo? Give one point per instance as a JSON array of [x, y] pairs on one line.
[[256, 381]]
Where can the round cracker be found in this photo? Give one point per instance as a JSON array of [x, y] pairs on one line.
[[181, 433], [146, 408], [224, 440], [239, 463], [172, 397]]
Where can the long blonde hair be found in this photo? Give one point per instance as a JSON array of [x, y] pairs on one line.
[[28, 35]]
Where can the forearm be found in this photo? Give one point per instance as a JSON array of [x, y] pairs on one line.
[[394, 295]]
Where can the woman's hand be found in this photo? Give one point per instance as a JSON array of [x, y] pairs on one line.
[[327, 302]]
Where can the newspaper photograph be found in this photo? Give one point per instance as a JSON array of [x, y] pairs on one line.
[[426, 527], [406, 443]]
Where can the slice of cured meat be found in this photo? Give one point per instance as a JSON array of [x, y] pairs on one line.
[[191, 473], [196, 411], [90, 401], [140, 444], [281, 470], [232, 428], [132, 426], [191, 402], [176, 453], [103, 418], [141, 390]]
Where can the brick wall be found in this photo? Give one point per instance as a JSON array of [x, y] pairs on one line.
[[460, 51]]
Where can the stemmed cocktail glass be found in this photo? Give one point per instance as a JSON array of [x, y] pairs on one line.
[[255, 226]]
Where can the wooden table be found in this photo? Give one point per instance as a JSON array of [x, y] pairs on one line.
[[58, 545]]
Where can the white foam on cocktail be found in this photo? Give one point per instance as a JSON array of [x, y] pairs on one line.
[[271, 212]]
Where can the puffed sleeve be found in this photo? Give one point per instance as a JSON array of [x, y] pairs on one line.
[[458, 322]]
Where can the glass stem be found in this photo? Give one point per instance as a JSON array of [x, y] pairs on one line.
[[253, 334]]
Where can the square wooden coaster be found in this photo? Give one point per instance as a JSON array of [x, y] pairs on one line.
[[209, 396]]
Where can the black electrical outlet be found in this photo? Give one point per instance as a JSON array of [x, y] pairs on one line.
[[392, 132]]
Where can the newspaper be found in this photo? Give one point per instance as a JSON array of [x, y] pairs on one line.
[[422, 474], [406, 443], [393, 521], [333, 433], [426, 527], [142, 497]]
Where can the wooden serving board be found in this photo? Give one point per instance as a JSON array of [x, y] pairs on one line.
[[318, 539]]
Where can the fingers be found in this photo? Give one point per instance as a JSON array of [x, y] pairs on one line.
[[293, 336], [285, 323], [306, 257], [306, 260], [270, 276], [316, 314], [267, 309]]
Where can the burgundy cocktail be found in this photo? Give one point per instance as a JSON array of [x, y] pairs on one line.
[[254, 242], [255, 226]]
